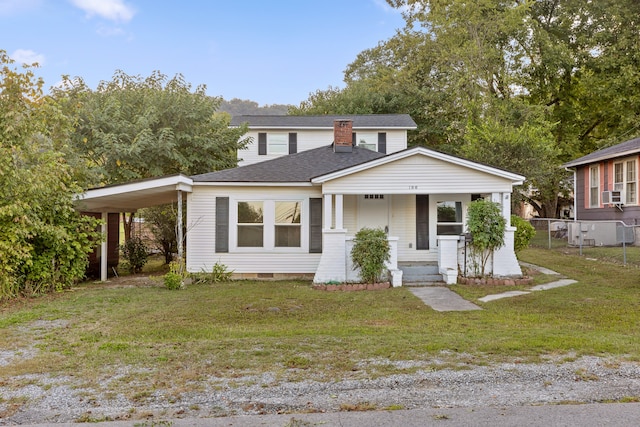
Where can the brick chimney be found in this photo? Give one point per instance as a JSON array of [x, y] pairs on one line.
[[342, 136]]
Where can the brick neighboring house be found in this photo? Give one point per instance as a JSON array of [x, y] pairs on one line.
[[307, 184], [606, 183]]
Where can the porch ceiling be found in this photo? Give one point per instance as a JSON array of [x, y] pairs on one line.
[[133, 196]]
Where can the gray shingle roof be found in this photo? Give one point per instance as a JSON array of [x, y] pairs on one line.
[[372, 121], [623, 149], [299, 167]]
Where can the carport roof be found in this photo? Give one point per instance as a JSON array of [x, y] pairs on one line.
[[134, 195]]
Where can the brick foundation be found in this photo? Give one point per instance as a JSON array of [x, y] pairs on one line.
[[350, 287], [497, 281]]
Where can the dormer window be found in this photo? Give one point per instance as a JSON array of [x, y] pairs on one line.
[[374, 141], [278, 143], [367, 140]]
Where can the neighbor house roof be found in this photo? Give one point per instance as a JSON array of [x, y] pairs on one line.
[[620, 150], [299, 167], [360, 121]]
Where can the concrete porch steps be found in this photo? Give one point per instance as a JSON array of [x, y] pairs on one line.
[[420, 274]]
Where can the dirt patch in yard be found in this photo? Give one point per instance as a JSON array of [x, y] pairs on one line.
[[129, 281]]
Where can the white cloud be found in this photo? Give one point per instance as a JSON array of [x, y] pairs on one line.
[[25, 56], [114, 10]]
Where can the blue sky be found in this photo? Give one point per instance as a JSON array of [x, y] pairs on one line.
[[268, 51]]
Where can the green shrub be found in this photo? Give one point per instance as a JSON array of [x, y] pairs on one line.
[[524, 233], [219, 273], [369, 253], [487, 226], [174, 279], [135, 253]]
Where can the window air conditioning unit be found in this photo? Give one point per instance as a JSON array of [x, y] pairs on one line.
[[615, 197]]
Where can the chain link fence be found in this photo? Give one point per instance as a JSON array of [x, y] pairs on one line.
[[610, 240]]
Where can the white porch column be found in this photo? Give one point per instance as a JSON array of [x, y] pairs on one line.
[[179, 221], [104, 246], [504, 259], [339, 212], [333, 262], [505, 262], [504, 201], [327, 215]]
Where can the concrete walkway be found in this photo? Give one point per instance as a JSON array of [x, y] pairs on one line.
[[557, 284], [441, 298]]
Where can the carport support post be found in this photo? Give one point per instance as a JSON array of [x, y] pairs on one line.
[[104, 246], [180, 237]]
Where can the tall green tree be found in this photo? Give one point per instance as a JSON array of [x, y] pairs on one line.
[[573, 64], [44, 242], [133, 128]]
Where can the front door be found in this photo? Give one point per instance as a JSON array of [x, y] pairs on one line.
[[373, 211]]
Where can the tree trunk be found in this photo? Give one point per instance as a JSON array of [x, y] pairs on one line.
[[128, 225]]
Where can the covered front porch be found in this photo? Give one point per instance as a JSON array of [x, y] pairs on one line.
[[423, 230]]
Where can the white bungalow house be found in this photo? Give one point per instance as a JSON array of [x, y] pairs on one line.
[[307, 184]]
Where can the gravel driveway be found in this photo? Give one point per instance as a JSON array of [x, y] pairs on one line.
[[41, 399]]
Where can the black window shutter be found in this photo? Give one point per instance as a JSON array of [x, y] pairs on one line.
[[293, 143], [353, 139], [262, 144], [222, 224], [422, 221], [382, 142], [315, 225]]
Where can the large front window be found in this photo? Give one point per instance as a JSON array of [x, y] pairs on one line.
[[594, 187], [250, 224], [270, 224], [449, 218]]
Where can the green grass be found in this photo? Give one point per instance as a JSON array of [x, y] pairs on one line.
[[230, 330]]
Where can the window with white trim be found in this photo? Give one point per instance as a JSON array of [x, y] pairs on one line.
[[287, 224], [367, 140], [277, 143], [270, 224], [624, 179], [594, 186], [449, 219], [250, 224]]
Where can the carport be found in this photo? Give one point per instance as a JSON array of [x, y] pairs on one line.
[[130, 197]]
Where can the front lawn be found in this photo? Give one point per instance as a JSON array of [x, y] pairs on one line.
[[287, 329]]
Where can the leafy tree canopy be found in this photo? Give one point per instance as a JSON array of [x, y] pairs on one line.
[[133, 127], [44, 242], [570, 66]]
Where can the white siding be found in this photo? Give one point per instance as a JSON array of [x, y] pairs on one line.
[[309, 139], [396, 140], [402, 225], [201, 228], [418, 174], [350, 220], [201, 233]]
